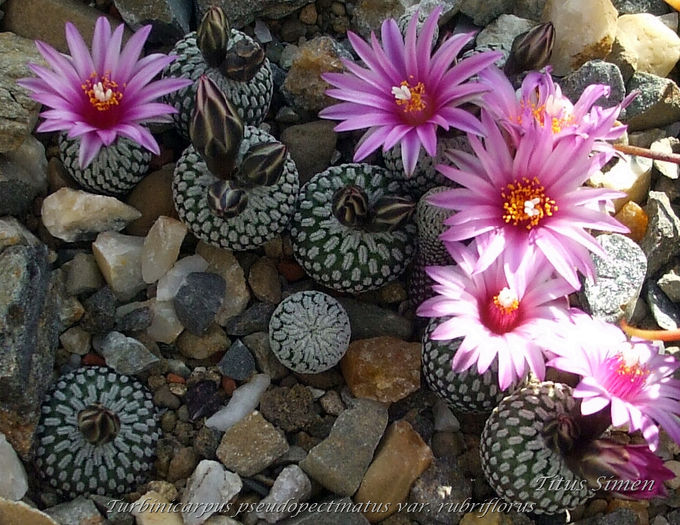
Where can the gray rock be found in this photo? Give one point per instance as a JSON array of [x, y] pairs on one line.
[[502, 31], [310, 161], [629, 7], [243, 12], [198, 301], [254, 319], [22, 177], [13, 483], [29, 331], [291, 487], [484, 12], [126, 355], [657, 104], [267, 363], [340, 461], [670, 284], [113, 509], [100, 312], [369, 15], [368, 320], [80, 510], [620, 275], [169, 18], [660, 242], [665, 312], [135, 321], [595, 72], [237, 363], [667, 145], [335, 512], [531, 9]]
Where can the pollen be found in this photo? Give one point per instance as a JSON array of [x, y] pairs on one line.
[[102, 92], [629, 366], [526, 204], [551, 113], [506, 301], [410, 98]]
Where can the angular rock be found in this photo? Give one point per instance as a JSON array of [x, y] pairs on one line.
[[369, 320], [144, 514], [168, 18], [29, 329], [161, 247], [251, 445], [290, 409], [243, 401], [385, 369], [100, 312], [75, 215], [119, 258], [665, 312], [258, 344], [126, 355], [238, 363], [198, 300], [631, 175], [212, 484], [264, 281], [654, 7], [171, 282], [292, 486], [531, 9], [30, 156], [340, 461], [660, 242], [254, 319], [369, 15], [202, 400], [242, 12], [16, 188], [76, 512], [202, 346], [667, 145], [584, 33], [339, 511], [670, 284], [657, 104], [165, 327], [595, 72], [153, 198], [236, 295], [310, 161], [83, 275], [619, 279], [502, 31], [14, 483], [134, 320], [484, 12], [403, 456], [76, 340]]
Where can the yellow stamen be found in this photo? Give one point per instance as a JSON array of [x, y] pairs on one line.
[[506, 301], [102, 94], [542, 115], [629, 365], [409, 97], [526, 203]]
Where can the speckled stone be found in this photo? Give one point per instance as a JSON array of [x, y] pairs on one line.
[[198, 301], [237, 363], [657, 105], [595, 72], [666, 313], [660, 243], [254, 319], [290, 409]]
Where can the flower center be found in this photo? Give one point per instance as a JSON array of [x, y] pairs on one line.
[[102, 94], [554, 113], [410, 98], [502, 311], [625, 375], [525, 203]]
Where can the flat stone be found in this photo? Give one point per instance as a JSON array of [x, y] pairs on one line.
[[630, 175], [169, 18], [83, 275], [237, 363], [223, 263], [340, 461], [161, 247], [660, 242], [242, 402], [670, 284], [212, 484], [126, 355], [12, 512], [292, 486], [145, 515], [584, 34], [657, 104], [595, 72], [14, 483], [369, 320], [263, 279], [242, 12], [153, 198], [290, 409], [198, 300], [310, 161], [76, 340], [502, 31], [620, 275], [254, 319], [385, 369], [483, 13], [76, 512], [214, 340], [251, 445], [16, 188], [100, 312], [267, 362], [75, 215], [170, 283], [665, 312], [165, 327], [119, 258]]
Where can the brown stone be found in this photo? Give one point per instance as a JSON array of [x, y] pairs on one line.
[[386, 369], [633, 216], [638, 507], [19, 429], [18, 513], [402, 457], [264, 281], [490, 518], [310, 161], [153, 197], [202, 346]]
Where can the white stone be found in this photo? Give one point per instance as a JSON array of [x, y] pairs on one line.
[[161, 247], [73, 215], [210, 486], [242, 402], [645, 44], [503, 31], [119, 258], [671, 20], [154, 509], [631, 175], [666, 145], [292, 486], [13, 481], [444, 419], [165, 326], [584, 30], [172, 281]]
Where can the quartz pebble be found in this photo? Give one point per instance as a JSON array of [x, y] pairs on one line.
[[83, 275], [292, 486], [635, 218], [210, 483], [126, 355], [75, 215], [631, 175], [171, 282], [119, 258], [243, 401], [161, 247], [13, 482], [198, 300], [165, 327], [144, 514]]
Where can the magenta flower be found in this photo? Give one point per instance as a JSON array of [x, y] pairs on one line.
[[528, 200], [629, 376], [406, 93], [102, 95], [512, 316], [541, 101]]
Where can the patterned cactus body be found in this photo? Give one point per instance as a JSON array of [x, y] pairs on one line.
[[345, 258], [309, 332], [268, 210], [114, 171], [516, 459], [79, 451], [251, 99]]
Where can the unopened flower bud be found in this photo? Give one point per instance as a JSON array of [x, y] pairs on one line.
[[350, 206], [390, 212], [212, 36], [531, 50]]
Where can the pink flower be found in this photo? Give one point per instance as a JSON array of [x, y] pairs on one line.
[[512, 316], [405, 93], [541, 101], [528, 200], [101, 95], [630, 377]]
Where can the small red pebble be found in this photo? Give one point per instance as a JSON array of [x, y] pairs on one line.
[[174, 378], [291, 270], [229, 385], [92, 359]]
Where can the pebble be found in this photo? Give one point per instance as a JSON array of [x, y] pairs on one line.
[[619, 278], [161, 247], [214, 340], [198, 300], [657, 104], [13, 483], [251, 445], [654, 7], [210, 484], [666, 145], [264, 281], [165, 327], [162, 397], [267, 362], [126, 355], [340, 461], [385, 369], [665, 312], [502, 31], [339, 513], [310, 161], [76, 340], [444, 419], [153, 198], [630, 175], [202, 399], [635, 218], [75, 512], [483, 13], [238, 363], [18, 186], [369, 15], [144, 515], [660, 242], [243, 12], [595, 72], [243, 401], [119, 258], [100, 312], [670, 284], [585, 34], [136, 320], [182, 464], [291, 487], [254, 319], [170, 283], [83, 275], [369, 320], [169, 19], [332, 403], [291, 409]]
